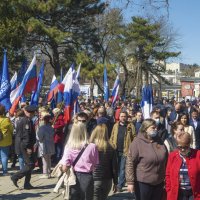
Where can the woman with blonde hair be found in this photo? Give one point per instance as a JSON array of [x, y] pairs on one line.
[[106, 171], [83, 157]]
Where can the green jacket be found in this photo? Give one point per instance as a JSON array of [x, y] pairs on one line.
[[129, 136]]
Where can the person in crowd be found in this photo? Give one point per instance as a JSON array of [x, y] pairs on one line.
[[146, 162], [182, 172], [19, 114], [6, 132], [91, 121], [84, 167], [106, 171], [138, 121], [177, 129], [162, 132], [46, 147], [103, 119], [109, 111], [24, 143], [188, 108], [82, 106], [195, 123], [175, 113], [117, 111], [184, 119], [167, 119], [122, 135], [58, 125]]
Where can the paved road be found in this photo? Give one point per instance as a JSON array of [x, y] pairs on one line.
[[43, 190]]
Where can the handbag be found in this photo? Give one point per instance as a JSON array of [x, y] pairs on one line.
[[1, 133]]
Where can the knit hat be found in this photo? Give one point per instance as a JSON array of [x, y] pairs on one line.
[[56, 111]]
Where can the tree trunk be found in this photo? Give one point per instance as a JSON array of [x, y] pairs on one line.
[[91, 88], [55, 59], [123, 84]]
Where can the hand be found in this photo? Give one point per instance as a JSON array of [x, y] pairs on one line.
[[114, 188], [29, 151], [131, 188], [64, 168]]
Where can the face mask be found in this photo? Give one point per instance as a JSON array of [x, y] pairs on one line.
[[157, 121], [152, 133]]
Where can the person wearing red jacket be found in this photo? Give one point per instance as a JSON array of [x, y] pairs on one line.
[[58, 125], [183, 171]]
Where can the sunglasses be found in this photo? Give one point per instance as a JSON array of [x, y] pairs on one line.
[[183, 148], [82, 120]]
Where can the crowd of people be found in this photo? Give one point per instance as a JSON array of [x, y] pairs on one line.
[[108, 148]]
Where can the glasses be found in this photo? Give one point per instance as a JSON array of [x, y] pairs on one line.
[[183, 148], [82, 120]]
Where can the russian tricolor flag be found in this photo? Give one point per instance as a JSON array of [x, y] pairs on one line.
[[28, 84], [13, 81], [71, 92], [53, 88]]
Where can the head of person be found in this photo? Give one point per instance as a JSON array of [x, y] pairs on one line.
[[20, 113], [155, 115], [139, 116], [2, 110], [123, 117], [56, 111], [178, 107], [99, 137], [195, 114], [184, 119], [82, 117], [177, 129], [101, 112], [188, 104], [149, 128], [82, 106], [30, 110], [183, 144], [78, 136], [46, 117]]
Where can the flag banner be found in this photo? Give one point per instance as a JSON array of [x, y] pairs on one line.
[[5, 86], [78, 72], [13, 81], [22, 71], [71, 92], [147, 101], [36, 94], [53, 88], [105, 85], [115, 90], [27, 85]]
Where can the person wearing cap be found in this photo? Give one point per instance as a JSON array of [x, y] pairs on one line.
[[46, 147], [24, 142]]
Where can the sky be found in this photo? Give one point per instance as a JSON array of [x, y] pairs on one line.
[[184, 17]]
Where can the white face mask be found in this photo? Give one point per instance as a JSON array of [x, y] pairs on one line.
[[157, 121], [152, 133]]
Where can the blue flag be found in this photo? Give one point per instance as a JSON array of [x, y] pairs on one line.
[[36, 94], [5, 87], [105, 85], [22, 72]]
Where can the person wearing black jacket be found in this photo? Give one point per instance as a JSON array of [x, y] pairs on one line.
[[107, 169], [162, 132], [24, 142]]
